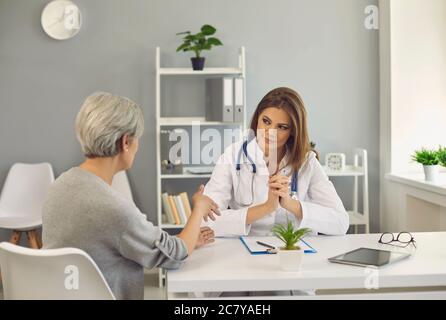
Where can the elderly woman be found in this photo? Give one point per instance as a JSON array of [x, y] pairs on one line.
[[83, 210]]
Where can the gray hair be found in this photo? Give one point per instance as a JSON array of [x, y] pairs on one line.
[[103, 120]]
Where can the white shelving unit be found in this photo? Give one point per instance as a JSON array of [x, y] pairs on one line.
[[162, 121], [357, 171]]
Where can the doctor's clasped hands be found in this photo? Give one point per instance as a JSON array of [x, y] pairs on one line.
[[279, 187]]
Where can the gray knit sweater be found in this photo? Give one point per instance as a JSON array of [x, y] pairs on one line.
[[82, 211]]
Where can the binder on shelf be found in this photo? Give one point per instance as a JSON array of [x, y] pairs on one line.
[[219, 100], [186, 203], [176, 216], [239, 100], [167, 209]]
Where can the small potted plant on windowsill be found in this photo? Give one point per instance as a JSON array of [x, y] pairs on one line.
[[441, 154], [199, 42], [429, 160], [290, 256]]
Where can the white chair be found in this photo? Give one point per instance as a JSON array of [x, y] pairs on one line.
[[22, 199], [55, 274], [121, 184]]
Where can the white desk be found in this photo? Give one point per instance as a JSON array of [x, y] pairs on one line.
[[226, 265]]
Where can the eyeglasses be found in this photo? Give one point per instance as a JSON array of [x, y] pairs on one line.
[[404, 238]]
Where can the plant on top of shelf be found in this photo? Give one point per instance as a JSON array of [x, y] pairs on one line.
[[429, 159], [199, 42], [290, 256]]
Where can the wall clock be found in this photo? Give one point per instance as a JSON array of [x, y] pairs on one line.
[[61, 19]]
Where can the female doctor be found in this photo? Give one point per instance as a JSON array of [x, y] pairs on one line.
[[274, 176]]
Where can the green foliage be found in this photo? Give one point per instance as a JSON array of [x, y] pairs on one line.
[[441, 154], [289, 236], [426, 157], [200, 41]]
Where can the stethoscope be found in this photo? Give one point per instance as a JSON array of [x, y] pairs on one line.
[[244, 151]]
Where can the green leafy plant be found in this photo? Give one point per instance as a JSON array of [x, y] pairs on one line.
[[426, 157], [199, 41], [441, 155], [289, 235]]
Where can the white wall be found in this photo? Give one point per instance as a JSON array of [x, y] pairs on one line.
[[319, 47], [412, 103], [418, 53]]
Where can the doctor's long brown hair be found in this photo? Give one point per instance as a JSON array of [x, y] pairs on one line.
[[298, 144]]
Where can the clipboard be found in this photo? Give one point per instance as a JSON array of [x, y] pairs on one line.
[[251, 245]]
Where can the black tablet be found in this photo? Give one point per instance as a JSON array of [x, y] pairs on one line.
[[366, 257]]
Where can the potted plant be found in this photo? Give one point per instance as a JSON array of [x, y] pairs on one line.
[[441, 154], [290, 256], [429, 160], [199, 42]]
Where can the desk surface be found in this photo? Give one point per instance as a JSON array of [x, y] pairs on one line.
[[226, 265]]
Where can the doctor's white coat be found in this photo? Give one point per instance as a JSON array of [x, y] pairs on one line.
[[322, 209]]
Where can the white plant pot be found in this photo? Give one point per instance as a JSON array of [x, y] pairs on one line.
[[290, 260], [431, 173]]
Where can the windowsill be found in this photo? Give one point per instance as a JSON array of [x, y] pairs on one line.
[[416, 180]]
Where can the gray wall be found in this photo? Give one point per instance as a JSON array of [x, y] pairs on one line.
[[319, 47]]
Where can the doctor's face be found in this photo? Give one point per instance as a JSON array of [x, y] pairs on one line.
[[273, 128]]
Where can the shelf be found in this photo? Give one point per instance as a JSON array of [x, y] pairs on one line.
[[185, 176], [349, 171], [189, 121], [163, 123], [356, 218], [171, 226], [206, 71]]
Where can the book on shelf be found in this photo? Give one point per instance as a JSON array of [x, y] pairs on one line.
[[167, 209], [176, 209], [180, 208], [173, 207], [186, 203]]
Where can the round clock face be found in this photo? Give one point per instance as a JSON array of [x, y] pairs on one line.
[[61, 19], [335, 161]]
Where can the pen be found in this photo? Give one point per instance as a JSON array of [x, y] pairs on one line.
[[265, 245]]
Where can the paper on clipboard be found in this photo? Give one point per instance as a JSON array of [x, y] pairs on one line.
[[255, 248]]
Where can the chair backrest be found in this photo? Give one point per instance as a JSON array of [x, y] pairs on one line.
[[121, 184], [56, 274], [25, 189]]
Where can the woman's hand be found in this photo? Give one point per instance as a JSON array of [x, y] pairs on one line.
[[204, 205], [279, 186], [206, 236], [272, 203], [258, 212]]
